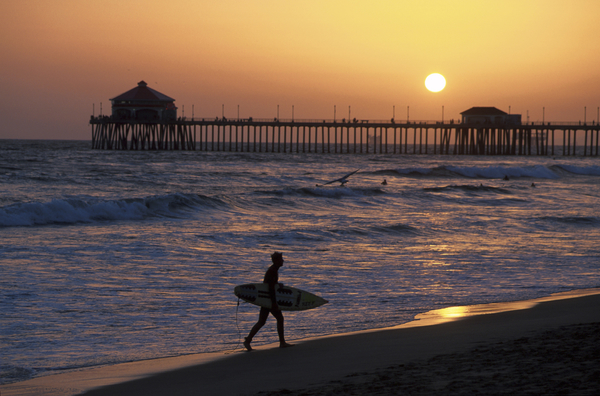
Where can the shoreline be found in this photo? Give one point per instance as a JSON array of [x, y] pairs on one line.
[[324, 358]]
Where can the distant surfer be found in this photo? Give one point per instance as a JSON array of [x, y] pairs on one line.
[[271, 278], [384, 182]]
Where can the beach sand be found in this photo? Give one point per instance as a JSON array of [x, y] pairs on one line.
[[547, 347]]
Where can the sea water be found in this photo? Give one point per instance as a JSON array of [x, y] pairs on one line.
[[117, 256]]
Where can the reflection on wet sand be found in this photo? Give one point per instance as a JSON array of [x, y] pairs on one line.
[[452, 313]]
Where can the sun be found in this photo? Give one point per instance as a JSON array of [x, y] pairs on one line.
[[435, 82]]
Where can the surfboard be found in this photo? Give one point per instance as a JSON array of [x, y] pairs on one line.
[[288, 298]]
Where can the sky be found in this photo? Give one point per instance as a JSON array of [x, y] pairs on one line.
[[62, 60]]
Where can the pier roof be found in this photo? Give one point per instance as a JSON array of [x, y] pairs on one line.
[[142, 93], [483, 111]]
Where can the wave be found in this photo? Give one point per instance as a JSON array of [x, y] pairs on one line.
[[367, 231], [485, 172], [580, 170], [499, 172], [399, 228], [468, 188], [89, 209], [414, 172], [573, 220], [327, 192]]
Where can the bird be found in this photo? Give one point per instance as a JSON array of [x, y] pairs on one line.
[[342, 180]]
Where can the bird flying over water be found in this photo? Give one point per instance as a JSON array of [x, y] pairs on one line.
[[343, 180]]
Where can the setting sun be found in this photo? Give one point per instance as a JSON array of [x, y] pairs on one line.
[[435, 82]]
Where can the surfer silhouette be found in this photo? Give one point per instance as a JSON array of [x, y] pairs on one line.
[[272, 279]]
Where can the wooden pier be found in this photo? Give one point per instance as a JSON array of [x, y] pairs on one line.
[[346, 137]]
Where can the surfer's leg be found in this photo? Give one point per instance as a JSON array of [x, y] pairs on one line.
[[262, 319], [279, 316]]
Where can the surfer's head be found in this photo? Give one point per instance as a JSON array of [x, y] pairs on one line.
[[277, 258]]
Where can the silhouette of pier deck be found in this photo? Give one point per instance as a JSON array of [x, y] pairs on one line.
[[346, 137]]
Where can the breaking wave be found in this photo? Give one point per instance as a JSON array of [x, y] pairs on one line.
[[581, 170], [484, 172], [494, 171], [89, 209]]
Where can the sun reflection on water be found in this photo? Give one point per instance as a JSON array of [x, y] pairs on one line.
[[453, 312]]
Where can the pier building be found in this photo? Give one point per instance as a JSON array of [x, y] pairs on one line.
[[143, 104], [489, 115]]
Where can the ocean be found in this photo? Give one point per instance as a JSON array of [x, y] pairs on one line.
[[118, 256]]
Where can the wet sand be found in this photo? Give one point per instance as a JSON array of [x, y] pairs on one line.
[[548, 347]]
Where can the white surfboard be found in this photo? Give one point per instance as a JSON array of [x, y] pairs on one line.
[[288, 298]]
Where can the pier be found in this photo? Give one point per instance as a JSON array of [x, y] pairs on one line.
[[345, 136], [145, 119]]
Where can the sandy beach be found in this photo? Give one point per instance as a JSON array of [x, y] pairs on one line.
[[550, 346]]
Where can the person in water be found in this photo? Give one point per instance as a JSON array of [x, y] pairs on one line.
[[272, 279]]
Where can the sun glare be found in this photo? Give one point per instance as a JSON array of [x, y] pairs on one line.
[[435, 82]]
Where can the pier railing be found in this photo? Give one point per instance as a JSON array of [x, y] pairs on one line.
[[372, 122], [346, 136]]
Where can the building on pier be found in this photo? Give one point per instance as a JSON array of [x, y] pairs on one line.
[[143, 104], [489, 115]]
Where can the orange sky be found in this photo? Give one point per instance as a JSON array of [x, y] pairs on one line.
[[62, 57]]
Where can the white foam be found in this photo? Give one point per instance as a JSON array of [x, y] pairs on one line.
[[69, 211], [89, 210]]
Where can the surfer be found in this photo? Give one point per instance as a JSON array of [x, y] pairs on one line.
[[272, 278]]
